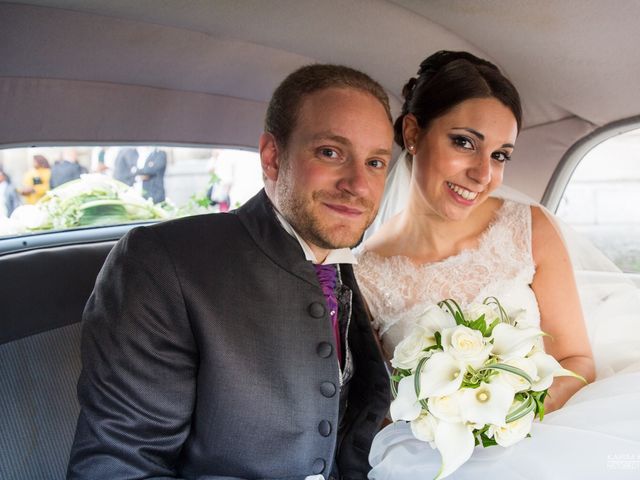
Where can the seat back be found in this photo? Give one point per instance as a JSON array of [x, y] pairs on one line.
[[42, 296]]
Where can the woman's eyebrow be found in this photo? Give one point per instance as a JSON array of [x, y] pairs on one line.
[[481, 136], [471, 130]]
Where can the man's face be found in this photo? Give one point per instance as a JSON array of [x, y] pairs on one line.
[[330, 179]]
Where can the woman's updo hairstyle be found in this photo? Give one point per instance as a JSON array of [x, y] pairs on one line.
[[446, 79]]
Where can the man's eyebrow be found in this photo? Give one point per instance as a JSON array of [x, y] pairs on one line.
[[331, 136], [345, 141], [481, 136], [382, 152]]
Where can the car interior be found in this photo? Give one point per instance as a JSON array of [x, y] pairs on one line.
[[199, 73]]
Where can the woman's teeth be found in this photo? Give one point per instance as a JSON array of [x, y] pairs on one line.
[[463, 192]]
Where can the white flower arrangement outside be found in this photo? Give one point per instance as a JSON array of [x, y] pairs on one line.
[[93, 199], [472, 377]]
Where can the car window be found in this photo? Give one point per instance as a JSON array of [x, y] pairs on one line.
[[58, 188], [601, 199]]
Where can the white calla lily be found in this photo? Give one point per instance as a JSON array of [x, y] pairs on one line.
[[513, 380], [406, 405], [512, 432], [441, 375], [510, 341], [434, 319], [547, 369], [489, 403], [455, 443]]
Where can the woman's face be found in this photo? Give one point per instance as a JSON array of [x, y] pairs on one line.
[[460, 158]]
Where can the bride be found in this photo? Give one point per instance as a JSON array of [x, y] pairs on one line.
[[454, 239]]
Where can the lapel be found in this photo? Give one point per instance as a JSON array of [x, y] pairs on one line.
[[258, 217]]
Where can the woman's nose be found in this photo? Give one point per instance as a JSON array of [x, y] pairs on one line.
[[481, 171]]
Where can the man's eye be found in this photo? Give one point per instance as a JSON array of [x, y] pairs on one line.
[[501, 156], [328, 152], [462, 142], [377, 163]]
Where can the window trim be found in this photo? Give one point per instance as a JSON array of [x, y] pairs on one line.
[[574, 155]]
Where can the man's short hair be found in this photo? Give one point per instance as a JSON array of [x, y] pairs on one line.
[[285, 103]]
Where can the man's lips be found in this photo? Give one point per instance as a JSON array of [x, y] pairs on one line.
[[344, 210]]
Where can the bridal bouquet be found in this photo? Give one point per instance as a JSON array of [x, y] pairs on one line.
[[470, 377]]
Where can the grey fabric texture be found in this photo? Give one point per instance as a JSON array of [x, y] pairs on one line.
[[38, 404]]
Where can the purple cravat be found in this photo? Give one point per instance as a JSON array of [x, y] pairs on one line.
[[327, 276]]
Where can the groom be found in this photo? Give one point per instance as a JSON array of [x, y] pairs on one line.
[[236, 346]]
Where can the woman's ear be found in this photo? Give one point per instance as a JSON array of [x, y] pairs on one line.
[[269, 156], [410, 131]]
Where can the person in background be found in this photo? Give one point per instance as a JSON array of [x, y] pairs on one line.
[[124, 166], [66, 169], [9, 198], [36, 181], [152, 175]]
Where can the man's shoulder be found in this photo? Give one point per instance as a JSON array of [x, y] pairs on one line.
[[203, 224]]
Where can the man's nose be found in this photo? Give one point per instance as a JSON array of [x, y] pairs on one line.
[[354, 179]]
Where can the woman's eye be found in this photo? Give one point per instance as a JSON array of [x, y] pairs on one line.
[[462, 142], [501, 156]]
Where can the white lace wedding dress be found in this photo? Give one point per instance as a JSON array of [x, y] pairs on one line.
[[595, 435]]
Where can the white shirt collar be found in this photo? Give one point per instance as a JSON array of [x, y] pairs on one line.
[[339, 255]]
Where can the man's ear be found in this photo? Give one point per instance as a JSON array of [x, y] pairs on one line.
[[269, 156], [410, 130]]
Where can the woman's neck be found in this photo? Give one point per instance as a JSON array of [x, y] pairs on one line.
[[422, 235]]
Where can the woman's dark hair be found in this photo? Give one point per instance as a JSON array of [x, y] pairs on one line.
[[41, 161], [446, 79]]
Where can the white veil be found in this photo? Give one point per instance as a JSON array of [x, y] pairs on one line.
[[610, 300]]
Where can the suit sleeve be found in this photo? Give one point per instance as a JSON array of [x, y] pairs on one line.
[[157, 164], [137, 386]]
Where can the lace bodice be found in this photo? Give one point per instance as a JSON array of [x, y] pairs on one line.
[[397, 290]]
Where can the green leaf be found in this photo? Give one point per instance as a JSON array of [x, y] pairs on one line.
[[508, 368], [526, 407]]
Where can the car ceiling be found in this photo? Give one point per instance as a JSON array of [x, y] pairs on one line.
[[575, 62]]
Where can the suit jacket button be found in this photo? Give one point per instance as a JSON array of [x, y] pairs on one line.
[[318, 465], [328, 389], [324, 427], [317, 310], [324, 350]]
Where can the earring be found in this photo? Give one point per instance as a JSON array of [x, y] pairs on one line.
[[411, 148]]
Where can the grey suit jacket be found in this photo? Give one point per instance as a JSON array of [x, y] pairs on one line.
[[208, 353]]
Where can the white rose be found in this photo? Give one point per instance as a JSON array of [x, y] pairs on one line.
[[410, 351], [512, 432], [424, 428], [446, 408], [466, 345]]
